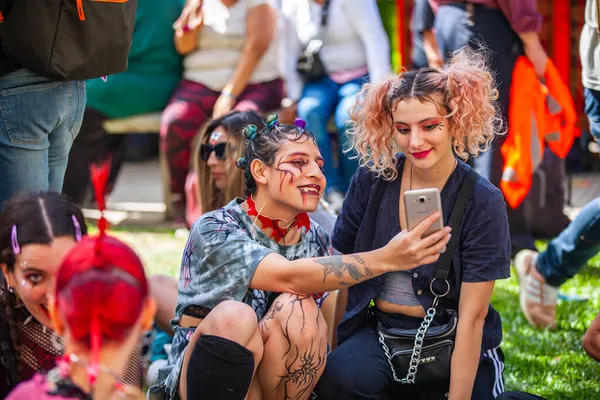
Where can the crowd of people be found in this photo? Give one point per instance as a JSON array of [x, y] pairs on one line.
[[299, 266]]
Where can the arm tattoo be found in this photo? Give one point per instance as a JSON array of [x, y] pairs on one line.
[[337, 266]]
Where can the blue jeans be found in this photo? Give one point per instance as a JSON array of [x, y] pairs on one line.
[[320, 100], [580, 241], [592, 109], [40, 118]]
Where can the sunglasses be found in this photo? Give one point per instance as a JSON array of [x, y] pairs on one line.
[[219, 149]]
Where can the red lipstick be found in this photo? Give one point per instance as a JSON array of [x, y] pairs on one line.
[[421, 154]]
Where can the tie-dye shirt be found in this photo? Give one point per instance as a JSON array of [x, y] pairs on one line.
[[222, 253]]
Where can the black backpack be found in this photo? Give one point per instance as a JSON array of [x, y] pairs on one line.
[[68, 39]]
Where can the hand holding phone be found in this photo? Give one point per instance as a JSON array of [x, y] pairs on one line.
[[420, 204]]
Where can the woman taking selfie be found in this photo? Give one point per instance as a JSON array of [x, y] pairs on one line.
[[413, 131], [249, 291]]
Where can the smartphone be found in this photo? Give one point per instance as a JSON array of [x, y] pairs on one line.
[[420, 204]]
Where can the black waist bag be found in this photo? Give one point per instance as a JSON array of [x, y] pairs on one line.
[[69, 39]]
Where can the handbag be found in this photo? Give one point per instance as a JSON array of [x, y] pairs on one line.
[[309, 65], [428, 350], [68, 39]]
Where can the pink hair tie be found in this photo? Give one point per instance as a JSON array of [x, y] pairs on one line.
[[77, 228], [14, 240]]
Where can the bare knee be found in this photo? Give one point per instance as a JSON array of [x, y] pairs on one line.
[[231, 320], [300, 318]]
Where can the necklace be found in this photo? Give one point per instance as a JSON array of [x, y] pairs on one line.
[[278, 233], [410, 180]]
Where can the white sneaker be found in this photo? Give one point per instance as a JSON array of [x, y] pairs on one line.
[[537, 299]]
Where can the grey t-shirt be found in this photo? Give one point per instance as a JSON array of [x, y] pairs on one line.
[[589, 48]]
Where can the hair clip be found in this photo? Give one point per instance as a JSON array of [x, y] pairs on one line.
[[241, 163], [14, 240], [77, 228], [272, 121], [250, 131], [300, 124]]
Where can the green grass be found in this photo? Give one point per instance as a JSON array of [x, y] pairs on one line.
[[548, 363], [552, 364]]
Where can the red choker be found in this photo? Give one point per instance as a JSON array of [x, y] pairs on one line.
[[277, 232]]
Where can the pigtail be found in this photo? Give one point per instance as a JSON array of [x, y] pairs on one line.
[[100, 174], [372, 130], [470, 96]]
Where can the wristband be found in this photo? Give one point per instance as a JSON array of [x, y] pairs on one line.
[[228, 93]]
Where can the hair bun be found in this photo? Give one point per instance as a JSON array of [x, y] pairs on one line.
[[272, 121], [250, 131], [241, 163], [300, 123]]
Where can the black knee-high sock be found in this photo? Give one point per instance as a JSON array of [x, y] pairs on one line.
[[219, 369]]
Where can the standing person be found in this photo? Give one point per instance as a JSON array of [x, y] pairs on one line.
[[414, 131], [231, 50], [101, 306], [355, 49], [153, 72], [425, 51], [540, 275], [248, 320], [508, 28], [41, 83]]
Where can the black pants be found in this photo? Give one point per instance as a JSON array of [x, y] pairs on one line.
[[92, 145], [358, 369], [454, 29]]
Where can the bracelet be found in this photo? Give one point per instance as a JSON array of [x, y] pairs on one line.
[[228, 93]]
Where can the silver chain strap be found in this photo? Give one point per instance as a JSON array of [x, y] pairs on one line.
[[415, 358]]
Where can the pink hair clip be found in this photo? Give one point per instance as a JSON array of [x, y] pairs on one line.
[[14, 240]]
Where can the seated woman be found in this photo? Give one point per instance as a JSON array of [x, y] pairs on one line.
[[436, 118], [355, 49], [36, 232], [248, 319], [102, 305], [231, 61]]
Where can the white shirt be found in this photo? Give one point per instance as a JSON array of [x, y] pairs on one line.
[[354, 38], [220, 44]]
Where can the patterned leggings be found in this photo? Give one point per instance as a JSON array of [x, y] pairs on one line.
[[189, 108]]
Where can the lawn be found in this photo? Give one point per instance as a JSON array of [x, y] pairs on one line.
[[548, 363]]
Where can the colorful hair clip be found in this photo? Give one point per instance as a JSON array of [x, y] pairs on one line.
[[272, 121], [300, 123], [77, 228], [250, 131], [14, 240], [241, 163]]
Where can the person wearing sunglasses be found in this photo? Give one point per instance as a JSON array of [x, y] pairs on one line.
[[215, 180]]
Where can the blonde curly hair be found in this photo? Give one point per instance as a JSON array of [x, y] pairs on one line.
[[468, 91]]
